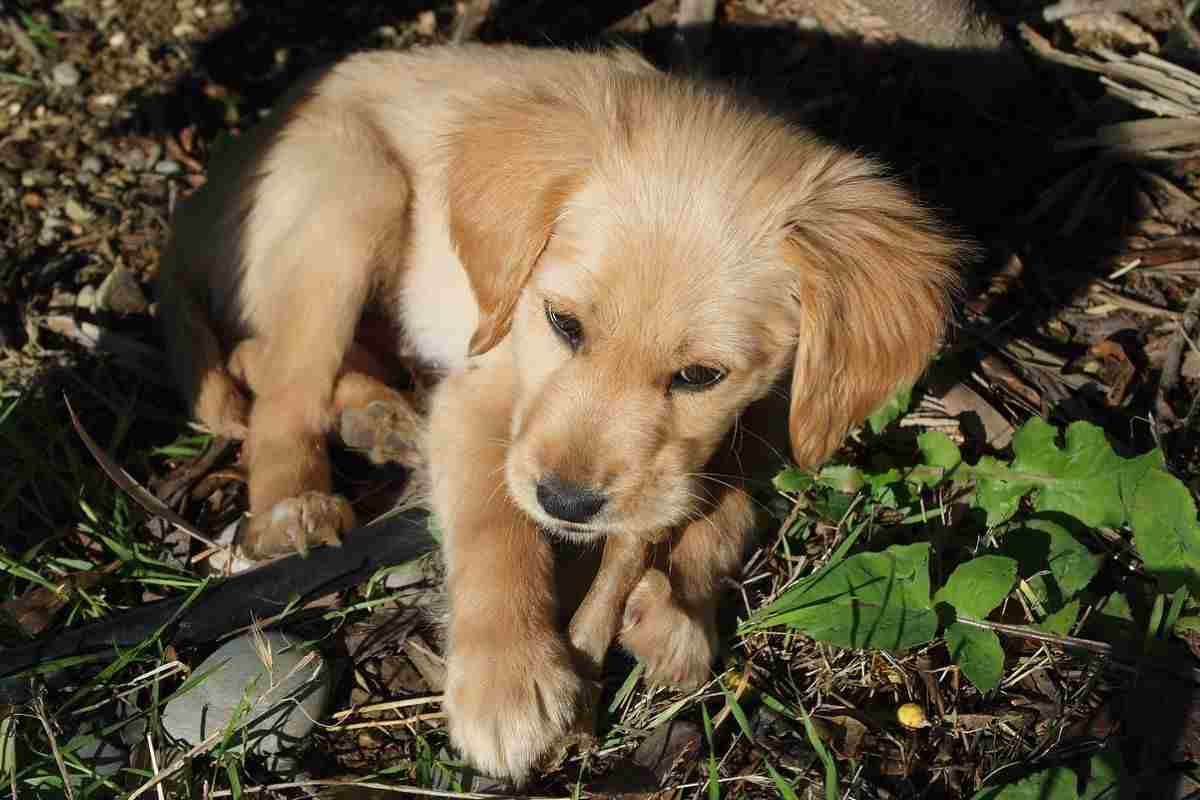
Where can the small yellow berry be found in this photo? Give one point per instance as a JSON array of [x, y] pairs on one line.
[[912, 716]]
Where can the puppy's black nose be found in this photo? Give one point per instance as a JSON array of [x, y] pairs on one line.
[[568, 501]]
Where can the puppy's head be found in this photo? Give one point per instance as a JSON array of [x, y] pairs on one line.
[[663, 258]]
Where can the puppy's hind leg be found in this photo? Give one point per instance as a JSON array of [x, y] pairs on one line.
[[211, 394], [328, 263]]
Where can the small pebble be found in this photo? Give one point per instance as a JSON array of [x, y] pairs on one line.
[[66, 74], [77, 212], [117, 40], [92, 164], [121, 293], [37, 177], [282, 715], [167, 167]]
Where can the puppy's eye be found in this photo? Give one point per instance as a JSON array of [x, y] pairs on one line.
[[569, 329], [696, 377]]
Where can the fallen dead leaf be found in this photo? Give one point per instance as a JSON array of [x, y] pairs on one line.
[[32, 612], [961, 399]]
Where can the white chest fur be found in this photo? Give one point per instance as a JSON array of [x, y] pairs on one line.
[[438, 308]]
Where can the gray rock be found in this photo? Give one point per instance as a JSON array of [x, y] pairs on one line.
[[284, 699], [92, 164], [120, 292], [66, 74], [102, 755], [167, 167]]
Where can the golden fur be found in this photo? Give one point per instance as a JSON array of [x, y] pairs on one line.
[[474, 195]]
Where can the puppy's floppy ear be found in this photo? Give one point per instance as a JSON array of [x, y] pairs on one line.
[[514, 160], [874, 273]]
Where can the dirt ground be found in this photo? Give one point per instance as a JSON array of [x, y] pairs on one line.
[[1079, 308]]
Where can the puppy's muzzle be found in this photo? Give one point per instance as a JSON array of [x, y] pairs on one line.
[[568, 501]]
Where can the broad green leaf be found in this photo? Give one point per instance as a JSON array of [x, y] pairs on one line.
[[832, 505], [977, 586], [1080, 479], [939, 450], [879, 480], [792, 480], [889, 488], [1087, 480], [892, 410], [1104, 781], [1117, 606], [841, 478], [867, 600], [1059, 623], [1051, 784], [1041, 545], [999, 497], [978, 653], [1162, 513]]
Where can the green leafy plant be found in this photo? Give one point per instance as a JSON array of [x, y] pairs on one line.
[[1040, 506], [1060, 783], [976, 588]]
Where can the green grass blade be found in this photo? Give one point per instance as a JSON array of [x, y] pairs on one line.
[[735, 708], [785, 789], [714, 781], [626, 688], [831, 775]]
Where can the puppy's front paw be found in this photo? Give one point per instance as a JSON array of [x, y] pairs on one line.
[[675, 648], [511, 708], [387, 431], [295, 524]]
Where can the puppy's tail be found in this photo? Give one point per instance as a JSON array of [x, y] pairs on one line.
[[198, 361]]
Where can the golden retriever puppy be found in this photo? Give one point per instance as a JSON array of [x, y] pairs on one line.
[[611, 266]]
